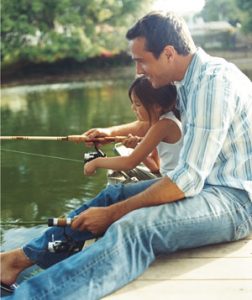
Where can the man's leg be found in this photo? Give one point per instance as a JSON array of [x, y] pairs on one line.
[[131, 244]]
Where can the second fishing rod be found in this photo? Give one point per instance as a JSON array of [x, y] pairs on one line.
[[59, 222], [67, 244]]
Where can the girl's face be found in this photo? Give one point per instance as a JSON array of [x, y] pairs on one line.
[[139, 109]]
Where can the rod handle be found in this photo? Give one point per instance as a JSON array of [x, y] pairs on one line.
[[61, 222], [83, 138]]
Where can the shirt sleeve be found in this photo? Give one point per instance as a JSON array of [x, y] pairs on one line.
[[209, 111]]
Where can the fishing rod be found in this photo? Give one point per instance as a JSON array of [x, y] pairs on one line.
[[60, 222], [67, 244], [70, 138]]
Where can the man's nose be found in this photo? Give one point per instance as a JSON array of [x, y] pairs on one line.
[[139, 69]]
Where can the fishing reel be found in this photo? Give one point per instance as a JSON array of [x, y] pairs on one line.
[[68, 245], [93, 155], [58, 246]]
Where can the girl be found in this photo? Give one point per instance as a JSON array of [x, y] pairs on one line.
[[157, 106]]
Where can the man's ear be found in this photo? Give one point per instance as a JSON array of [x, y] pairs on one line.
[[169, 52]]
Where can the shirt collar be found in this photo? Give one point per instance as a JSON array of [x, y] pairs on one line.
[[193, 70]]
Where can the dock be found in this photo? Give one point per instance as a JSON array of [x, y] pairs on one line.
[[216, 272]]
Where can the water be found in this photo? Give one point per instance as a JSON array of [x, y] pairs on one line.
[[41, 179], [45, 179]]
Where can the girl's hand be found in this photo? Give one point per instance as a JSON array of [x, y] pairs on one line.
[[131, 141], [90, 168]]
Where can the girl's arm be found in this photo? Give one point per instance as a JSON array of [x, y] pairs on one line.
[[136, 128], [163, 129], [152, 161]]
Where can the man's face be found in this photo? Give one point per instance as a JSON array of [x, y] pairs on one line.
[[156, 70]]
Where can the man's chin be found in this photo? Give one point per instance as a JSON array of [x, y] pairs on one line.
[[155, 85]]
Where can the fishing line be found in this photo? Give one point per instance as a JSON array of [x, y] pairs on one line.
[[41, 155], [20, 223]]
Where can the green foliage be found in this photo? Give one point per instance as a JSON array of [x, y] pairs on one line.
[[219, 10], [233, 11], [246, 7], [50, 30]]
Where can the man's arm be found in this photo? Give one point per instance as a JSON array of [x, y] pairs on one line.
[[138, 128], [161, 192], [98, 219]]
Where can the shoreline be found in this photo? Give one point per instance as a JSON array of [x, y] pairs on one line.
[[108, 73], [93, 71]]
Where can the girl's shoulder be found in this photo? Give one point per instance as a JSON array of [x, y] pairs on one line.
[[171, 128], [170, 115]]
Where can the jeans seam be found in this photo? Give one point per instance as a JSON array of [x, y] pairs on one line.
[[185, 221], [83, 271], [35, 250]]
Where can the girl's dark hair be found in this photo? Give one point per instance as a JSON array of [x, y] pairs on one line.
[[165, 96]]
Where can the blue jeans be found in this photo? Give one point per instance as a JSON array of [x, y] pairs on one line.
[[132, 243]]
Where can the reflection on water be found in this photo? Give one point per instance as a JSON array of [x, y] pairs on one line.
[[41, 179]]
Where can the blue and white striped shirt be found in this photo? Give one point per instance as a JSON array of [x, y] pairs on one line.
[[215, 100]]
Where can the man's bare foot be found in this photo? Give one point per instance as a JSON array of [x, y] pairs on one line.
[[12, 263]]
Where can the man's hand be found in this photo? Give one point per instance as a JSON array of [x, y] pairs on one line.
[[96, 132], [94, 219], [98, 219], [76, 138]]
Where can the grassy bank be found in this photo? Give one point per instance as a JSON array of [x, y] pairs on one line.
[[96, 69]]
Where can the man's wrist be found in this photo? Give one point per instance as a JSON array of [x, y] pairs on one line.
[[118, 210]]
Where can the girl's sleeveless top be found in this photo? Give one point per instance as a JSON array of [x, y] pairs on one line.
[[169, 153]]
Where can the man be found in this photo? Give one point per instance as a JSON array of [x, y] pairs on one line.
[[206, 199]]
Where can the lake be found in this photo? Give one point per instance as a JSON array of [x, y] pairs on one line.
[[42, 179]]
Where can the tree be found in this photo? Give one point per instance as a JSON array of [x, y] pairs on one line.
[[246, 7], [50, 30], [218, 10], [234, 11]]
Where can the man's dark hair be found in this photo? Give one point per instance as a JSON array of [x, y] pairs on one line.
[[162, 29]]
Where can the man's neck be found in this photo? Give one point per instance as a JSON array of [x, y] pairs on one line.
[[182, 64]]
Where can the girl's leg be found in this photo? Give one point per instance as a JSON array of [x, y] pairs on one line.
[[37, 249]]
